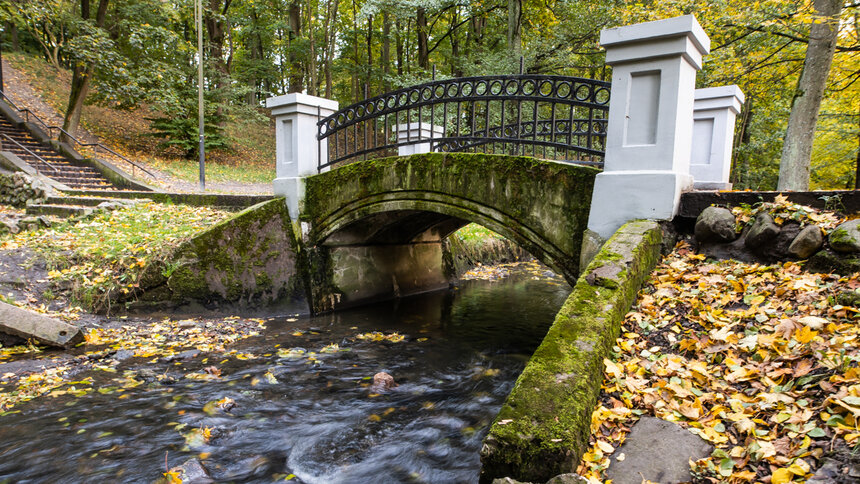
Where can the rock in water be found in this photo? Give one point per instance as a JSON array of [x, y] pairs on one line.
[[657, 450], [846, 237], [190, 472], [715, 224], [763, 230], [567, 479], [807, 242], [382, 382]]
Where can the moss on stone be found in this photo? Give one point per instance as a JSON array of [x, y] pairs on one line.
[[250, 257], [542, 429]]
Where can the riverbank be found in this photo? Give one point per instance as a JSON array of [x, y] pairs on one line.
[[758, 360]]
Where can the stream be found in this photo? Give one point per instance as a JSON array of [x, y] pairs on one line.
[[297, 405]]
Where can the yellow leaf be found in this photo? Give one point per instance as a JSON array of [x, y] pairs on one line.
[[805, 335], [173, 477], [781, 476]]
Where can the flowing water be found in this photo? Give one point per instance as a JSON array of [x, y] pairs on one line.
[[302, 417]]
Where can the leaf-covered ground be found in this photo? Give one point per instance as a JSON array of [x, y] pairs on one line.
[[760, 361], [106, 252]]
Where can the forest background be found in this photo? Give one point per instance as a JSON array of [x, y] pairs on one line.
[[141, 56]]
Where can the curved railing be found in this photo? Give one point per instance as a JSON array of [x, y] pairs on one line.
[[552, 117], [31, 117]]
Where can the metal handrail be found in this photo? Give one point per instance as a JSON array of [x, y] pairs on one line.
[[558, 116], [44, 161], [50, 130]]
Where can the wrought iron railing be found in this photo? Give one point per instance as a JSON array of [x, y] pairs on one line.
[[552, 117], [55, 132]]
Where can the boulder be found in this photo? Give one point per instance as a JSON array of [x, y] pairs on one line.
[[829, 472], [849, 298], [827, 261], [508, 480], [658, 451], [192, 472], [763, 231], [846, 237], [715, 224], [567, 479], [807, 242], [778, 249], [382, 382]]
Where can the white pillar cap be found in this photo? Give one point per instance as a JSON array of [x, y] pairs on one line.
[[722, 97], [660, 38], [296, 102]]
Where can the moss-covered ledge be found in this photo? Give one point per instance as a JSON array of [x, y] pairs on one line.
[[250, 258], [543, 427]]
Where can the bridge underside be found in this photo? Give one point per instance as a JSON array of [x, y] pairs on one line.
[[377, 229]]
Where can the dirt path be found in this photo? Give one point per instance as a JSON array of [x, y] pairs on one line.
[[25, 97]]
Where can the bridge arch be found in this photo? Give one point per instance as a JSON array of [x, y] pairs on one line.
[[379, 225], [404, 210]]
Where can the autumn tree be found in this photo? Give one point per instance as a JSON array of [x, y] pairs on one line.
[[797, 147]]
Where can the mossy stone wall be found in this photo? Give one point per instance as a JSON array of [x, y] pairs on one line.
[[543, 427]]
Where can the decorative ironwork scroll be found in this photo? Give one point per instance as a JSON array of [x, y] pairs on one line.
[[552, 117]]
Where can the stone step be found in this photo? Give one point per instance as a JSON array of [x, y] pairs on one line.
[[83, 201], [65, 211]]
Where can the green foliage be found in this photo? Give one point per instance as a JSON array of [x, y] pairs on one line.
[[180, 129], [146, 53]]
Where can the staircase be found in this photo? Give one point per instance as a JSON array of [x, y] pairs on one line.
[[47, 161]]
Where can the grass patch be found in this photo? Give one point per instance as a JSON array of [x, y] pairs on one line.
[[474, 233], [105, 254], [189, 170]]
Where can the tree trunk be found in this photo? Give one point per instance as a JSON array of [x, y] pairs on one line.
[[330, 23], [741, 165], [13, 36], [515, 17], [356, 82], [797, 146], [81, 77], [369, 66], [295, 11], [423, 41], [857, 166], [399, 42], [312, 55], [215, 29], [455, 45], [385, 59]]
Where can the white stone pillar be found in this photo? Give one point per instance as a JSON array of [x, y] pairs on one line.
[[298, 151], [648, 141], [714, 116], [412, 132]]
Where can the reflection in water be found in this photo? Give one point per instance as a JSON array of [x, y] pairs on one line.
[[299, 410]]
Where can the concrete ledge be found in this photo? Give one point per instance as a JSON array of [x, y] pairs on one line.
[[846, 201], [23, 323], [192, 199], [543, 427]]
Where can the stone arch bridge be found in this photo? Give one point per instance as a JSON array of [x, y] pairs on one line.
[[377, 228]]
